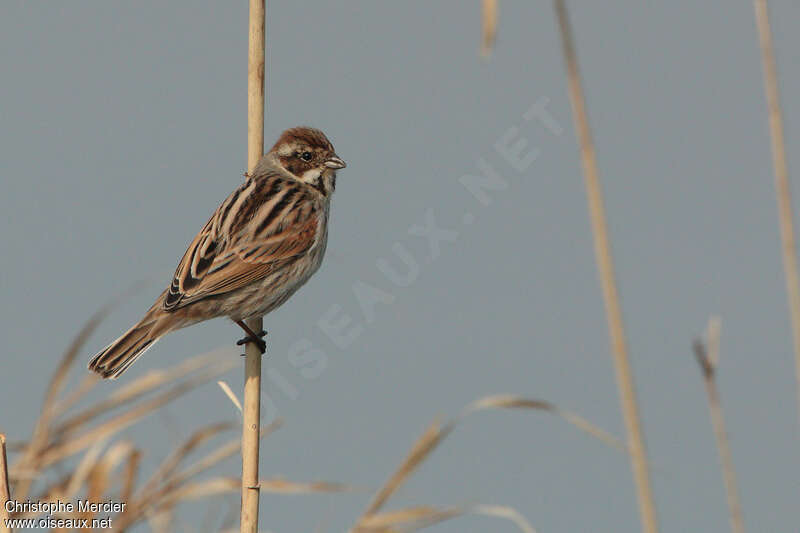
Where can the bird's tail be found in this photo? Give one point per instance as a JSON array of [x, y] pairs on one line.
[[115, 358]]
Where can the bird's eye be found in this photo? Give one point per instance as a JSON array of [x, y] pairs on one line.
[[306, 156]]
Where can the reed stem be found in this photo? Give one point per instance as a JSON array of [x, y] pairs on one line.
[[708, 358], [251, 415], [5, 489], [605, 265], [782, 191]]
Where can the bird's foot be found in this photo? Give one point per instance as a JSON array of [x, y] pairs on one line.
[[255, 338]]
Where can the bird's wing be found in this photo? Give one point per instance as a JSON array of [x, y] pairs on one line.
[[260, 229]]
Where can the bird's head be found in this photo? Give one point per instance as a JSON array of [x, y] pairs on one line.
[[308, 155]]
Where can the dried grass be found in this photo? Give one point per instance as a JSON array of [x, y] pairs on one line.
[[506, 401], [488, 27], [428, 442], [230, 394], [708, 358], [140, 387], [782, 189], [63, 449], [109, 468], [41, 432], [5, 489], [605, 265], [414, 518]]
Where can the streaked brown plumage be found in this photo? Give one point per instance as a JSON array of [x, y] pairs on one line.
[[261, 245]]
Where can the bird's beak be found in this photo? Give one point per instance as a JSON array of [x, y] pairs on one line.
[[335, 162]]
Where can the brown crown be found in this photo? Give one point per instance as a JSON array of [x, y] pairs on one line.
[[310, 136]]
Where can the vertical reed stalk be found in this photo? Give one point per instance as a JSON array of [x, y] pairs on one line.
[[782, 191], [251, 421], [489, 27], [708, 358], [605, 266], [5, 490]]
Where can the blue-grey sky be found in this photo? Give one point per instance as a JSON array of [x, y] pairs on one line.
[[122, 126]]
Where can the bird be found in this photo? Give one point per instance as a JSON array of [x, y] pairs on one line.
[[260, 246]]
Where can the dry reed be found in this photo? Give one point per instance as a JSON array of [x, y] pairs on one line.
[[708, 357], [605, 264], [413, 518], [93, 473], [488, 27], [782, 190], [5, 489], [420, 517], [231, 395], [108, 469], [251, 416]]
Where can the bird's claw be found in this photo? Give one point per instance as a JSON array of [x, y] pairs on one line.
[[258, 340]]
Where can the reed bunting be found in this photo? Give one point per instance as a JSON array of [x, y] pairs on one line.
[[261, 245]]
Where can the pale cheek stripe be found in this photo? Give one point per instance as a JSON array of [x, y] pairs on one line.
[[310, 176]]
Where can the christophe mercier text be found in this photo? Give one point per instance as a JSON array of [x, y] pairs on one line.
[[58, 507]]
